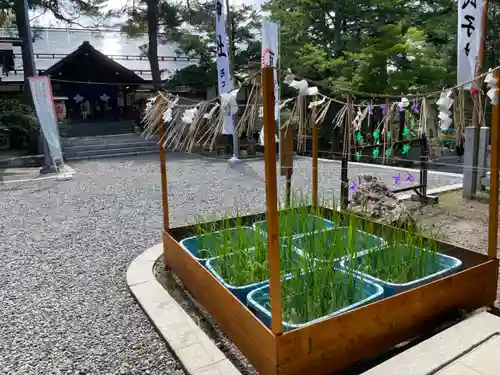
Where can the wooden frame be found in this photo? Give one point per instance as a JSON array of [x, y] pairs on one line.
[[334, 343]]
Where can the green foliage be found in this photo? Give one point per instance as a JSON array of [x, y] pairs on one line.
[[17, 116], [192, 76], [371, 46], [192, 26]]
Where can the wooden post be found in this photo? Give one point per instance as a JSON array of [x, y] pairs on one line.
[[164, 189], [315, 159], [286, 161], [344, 168], [272, 200], [495, 164]]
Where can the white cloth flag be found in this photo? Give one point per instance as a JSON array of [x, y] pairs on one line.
[[41, 90], [223, 72], [270, 57], [469, 39]]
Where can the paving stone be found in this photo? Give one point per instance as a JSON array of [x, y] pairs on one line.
[[458, 369], [484, 359]]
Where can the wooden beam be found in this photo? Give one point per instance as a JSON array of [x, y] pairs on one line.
[[495, 161], [271, 200], [164, 187], [314, 159]]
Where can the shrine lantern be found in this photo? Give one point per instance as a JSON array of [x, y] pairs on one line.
[[60, 107]]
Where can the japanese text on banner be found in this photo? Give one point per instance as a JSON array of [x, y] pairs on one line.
[[469, 38], [224, 78]]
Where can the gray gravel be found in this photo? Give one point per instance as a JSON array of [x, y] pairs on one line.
[[65, 248]]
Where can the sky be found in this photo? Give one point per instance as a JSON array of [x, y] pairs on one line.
[[48, 20]]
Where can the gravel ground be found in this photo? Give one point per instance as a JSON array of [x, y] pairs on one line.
[[65, 248], [458, 220]]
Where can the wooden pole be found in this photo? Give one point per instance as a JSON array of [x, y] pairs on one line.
[[476, 119], [272, 200], [315, 159], [494, 184], [344, 169], [164, 189]]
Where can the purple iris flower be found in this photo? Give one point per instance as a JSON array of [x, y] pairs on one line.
[[397, 179], [414, 107], [385, 108]]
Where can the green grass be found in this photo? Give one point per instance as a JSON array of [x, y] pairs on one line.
[[407, 257], [248, 267], [318, 293], [232, 237], [317, 289]]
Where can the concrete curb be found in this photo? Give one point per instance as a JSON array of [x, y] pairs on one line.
[[63, 175], [196, 352], [435, 191], [381, 166], [450, 350]]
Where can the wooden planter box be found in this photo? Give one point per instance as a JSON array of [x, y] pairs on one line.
[[338, 342]]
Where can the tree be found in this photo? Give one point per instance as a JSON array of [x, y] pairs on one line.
[[376, 46], [153, 17], [152, 22], [192, 26]]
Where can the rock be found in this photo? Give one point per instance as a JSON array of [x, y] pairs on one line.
[[251, 146], [373, 199]]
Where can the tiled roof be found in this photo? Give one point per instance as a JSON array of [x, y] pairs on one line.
[[51, 45]]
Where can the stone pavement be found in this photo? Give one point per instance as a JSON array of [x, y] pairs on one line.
[[12, 175], [471, 347]]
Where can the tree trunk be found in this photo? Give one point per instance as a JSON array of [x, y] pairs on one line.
[[152, 17], [23, 29]]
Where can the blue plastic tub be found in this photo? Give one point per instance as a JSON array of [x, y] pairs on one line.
[[323, 239], [240, 291], [313, 223], [259, 301], [445, 265], [197, 245]]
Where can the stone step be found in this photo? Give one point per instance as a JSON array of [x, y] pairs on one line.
[[100, 128], [104, 139], [114, 145], [115, 155], [109, 151]]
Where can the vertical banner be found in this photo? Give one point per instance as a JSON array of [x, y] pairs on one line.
[[270, 58], [224, 78], [41, 90], [469, 39]]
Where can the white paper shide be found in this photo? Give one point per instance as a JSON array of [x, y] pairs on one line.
[[469, 39], [224, 78], [41, 90]]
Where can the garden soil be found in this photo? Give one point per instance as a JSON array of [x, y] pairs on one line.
[[457, 220]]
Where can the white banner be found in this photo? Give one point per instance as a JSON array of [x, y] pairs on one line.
[[469, 38], [41, 90], [270, 56], [223, 72]]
